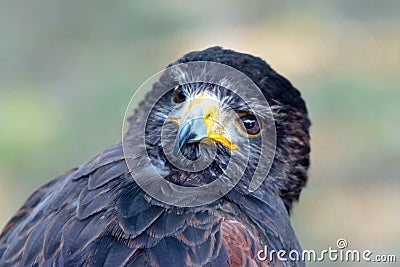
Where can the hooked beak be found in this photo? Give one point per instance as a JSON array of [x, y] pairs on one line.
[[201, 125], [194, 130]]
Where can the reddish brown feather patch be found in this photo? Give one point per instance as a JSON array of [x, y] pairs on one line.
[[241, 244]]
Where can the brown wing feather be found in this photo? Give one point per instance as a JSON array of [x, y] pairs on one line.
[[241, 244]]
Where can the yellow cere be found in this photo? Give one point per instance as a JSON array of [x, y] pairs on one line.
[[175, 120], [215, 130]]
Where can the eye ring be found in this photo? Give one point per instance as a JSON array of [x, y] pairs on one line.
[[178, 95], [249, 124]]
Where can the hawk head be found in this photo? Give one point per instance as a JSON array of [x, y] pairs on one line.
[[217, 110]]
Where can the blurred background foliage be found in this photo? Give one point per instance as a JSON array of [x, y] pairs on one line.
[[69, 68]]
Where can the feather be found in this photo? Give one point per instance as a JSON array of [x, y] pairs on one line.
[[170, 252], [168, 223], [54, 231], [107, 173], [34, 245], [110, 155]]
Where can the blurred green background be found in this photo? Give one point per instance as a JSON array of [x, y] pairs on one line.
[[69, 68]]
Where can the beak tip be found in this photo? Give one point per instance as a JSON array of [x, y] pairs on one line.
[[193, 130]]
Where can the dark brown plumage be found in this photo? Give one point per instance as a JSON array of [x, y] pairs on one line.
[[97, 215]]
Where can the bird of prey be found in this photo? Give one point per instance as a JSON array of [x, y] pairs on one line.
[[100, 215]]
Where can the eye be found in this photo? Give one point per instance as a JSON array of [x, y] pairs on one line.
[[178, 96], [250, 124]]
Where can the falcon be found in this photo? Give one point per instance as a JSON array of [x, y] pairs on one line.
[[189, 185]]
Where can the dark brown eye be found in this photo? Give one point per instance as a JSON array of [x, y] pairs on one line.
[[250, 124], [178, 96]]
